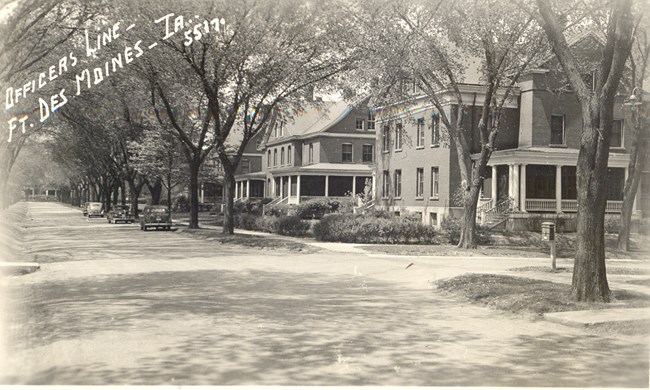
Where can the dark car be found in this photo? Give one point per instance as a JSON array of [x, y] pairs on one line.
[[94, 209], [157, 217], [120, 213]]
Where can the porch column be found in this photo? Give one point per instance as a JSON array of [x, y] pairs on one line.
[[558, 188], [354, 185], [374, 185], [289, 188], [298, 189], [202, 194], [511, 175], [248, 188], [494, 185], [281, 187], [327, 185], [236, 190], [522, 203], [515, 181]]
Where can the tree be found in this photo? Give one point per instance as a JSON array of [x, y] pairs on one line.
[[589, 272], [638, 137], [34, 35], [419, 41], [261, 58]]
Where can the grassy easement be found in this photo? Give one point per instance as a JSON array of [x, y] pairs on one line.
[[246, 240], [525, 295]]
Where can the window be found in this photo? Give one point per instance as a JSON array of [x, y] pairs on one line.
[[371, 121], [398, 136], [617, 134], [289, 155], [420, 133], [366, 155], [282, 156], [258, 144], [419, 183], [557, 129], [385, 185], [359, 124], [245, 165], [268, 159], [275, 157], [435, 130], [434, 182], [398, 183], [311, 153], [385, 138], [275, 130], [346, 152], [281, 129], [433, 219]]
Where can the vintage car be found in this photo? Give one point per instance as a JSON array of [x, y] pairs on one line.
[[120, 213], [94, 209], [157, 217], [85, 208]]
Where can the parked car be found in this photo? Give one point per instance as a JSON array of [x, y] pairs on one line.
[[120, 213], [155, 217], [85, 208], [94, 209]]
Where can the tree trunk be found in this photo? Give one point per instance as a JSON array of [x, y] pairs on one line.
[[589, 272], [468, 232], [4, 199], [194, 193], [155, 190], [229, 202], [638, 156]]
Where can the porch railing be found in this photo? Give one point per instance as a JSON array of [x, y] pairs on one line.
[[568, 205]]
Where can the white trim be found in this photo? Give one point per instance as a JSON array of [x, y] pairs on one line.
[[339, 135]]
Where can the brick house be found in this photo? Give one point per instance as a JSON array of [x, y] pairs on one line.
[[324, 150], [533, 166]]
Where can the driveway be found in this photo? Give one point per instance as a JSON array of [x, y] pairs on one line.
[[115, 305]]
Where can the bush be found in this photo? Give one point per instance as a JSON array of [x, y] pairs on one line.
[[182, 204], [453, 226], [371, 230], [292, 226], [247, 221], [612, 225], [277, 210], [317, 208]]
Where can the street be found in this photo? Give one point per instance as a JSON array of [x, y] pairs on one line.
[[115, 305]]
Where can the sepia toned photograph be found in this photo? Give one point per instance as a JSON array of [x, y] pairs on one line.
[[423, 193]]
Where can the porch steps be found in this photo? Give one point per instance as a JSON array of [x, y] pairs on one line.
[[495, 221]]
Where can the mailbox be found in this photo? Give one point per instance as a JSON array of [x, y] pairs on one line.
[[548, 231]]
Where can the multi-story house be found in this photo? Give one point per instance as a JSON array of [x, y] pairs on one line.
[[327, 149], [533, 166]]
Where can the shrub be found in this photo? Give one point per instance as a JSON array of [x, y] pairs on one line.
[[247, 221], [277, 210], [182, 204], [292, 226], [313, 209], [612, 225], [453, 226], [366, 229]]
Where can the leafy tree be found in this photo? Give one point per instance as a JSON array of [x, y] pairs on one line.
[[597, 105], [34, 35], [434, 46]]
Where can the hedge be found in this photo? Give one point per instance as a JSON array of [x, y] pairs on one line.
[[371, 230], [452, 228]]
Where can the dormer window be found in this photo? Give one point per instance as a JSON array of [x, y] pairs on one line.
[[371, 120], [359, 124]]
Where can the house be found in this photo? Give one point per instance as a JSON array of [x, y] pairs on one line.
[[326, 149], [533, 168]]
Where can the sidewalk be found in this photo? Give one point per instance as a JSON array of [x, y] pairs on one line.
[[568, 318]]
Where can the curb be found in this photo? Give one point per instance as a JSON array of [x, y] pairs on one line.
[[18, 268], [582, 319]]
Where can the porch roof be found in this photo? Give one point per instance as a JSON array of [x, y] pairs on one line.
[[327, 169], [260, 175], [549, 156]]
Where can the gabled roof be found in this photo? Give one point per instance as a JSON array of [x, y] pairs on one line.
[[313, 118]]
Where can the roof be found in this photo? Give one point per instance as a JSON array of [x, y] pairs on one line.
[[328, 168], [313, 118]]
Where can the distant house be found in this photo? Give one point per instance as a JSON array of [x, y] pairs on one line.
[[326, 149], [533, 168]]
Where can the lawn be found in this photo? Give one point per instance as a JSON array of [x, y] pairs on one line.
[[274, 243], [536, 297]]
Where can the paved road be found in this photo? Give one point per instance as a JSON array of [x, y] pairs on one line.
[[115, 305]]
